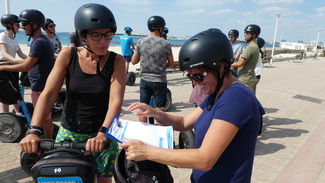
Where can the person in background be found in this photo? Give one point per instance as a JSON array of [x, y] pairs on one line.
[[164, 33], [258, 69], [127, 47], [95, 82], [247, 63], [49, 28], [75, 40], [226, 124], [237, 47], [155, 55], [9, 47], [38, 63]]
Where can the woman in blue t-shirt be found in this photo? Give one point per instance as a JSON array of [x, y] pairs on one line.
[[226, 124]]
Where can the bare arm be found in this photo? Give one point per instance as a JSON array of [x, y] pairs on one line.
[[46, 100], [19, 65], [242, 61], [170, 61], [135, 58]]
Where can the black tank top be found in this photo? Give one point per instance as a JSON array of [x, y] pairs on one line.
[[87, 96]]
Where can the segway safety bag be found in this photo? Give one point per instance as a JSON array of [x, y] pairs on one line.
[[9, 89], [65, 166]]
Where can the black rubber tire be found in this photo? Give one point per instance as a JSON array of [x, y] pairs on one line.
[[29, 106], [130, 78], [12, 128], [27, 161], [168, 100], [186, 140]]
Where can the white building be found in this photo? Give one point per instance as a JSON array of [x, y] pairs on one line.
[[297, 46]]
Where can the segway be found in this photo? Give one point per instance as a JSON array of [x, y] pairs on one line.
[[65, 162], [130, 78], [13, 127]]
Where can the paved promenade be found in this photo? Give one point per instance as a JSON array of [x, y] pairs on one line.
[[292, 145]]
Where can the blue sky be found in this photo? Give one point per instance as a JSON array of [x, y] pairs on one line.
[[299, 20]]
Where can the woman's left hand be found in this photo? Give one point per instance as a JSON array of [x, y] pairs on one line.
[[96, 144], [135, 150]]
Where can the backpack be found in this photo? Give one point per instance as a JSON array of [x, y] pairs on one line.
[[9, 88], [126, 171]]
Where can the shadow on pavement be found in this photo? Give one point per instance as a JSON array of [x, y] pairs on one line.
[[272, 130]]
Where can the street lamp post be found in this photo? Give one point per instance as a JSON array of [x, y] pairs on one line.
[[276, 28], [318, 30], [7, 6]]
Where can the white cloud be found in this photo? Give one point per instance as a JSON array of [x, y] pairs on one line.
[[224, 11], [288, 2], [130, 2], [193, 12], [321, 9], [205, 3]]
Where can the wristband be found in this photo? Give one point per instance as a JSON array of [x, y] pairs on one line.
[[36, 132], [34, 128], [102, 129]]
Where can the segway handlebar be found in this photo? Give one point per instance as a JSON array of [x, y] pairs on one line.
[[51, 145]]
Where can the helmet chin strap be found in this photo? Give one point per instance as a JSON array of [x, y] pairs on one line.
[[33, 31], [219, 85]]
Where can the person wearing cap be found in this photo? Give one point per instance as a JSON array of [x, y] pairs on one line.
[[9, 47], [39, 61], [154, 54], [127, 47], [95, 83], [237, 48], [248, 60], [49, 28], [226, 123]]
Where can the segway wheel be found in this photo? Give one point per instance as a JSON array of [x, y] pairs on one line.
[[27, 161], [186, 140], [12, 128], [168, 100], [130, 78]]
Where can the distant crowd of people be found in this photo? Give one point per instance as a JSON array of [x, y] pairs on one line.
[[226, 121]]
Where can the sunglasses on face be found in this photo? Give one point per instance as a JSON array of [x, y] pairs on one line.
[[52, 26], [197, 77], [95, 36], [17, 24], [24, 23]]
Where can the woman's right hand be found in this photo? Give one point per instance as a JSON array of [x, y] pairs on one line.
[[29, 144]]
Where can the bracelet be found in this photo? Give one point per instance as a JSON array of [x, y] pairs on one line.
[[36, 132], [34, 128]]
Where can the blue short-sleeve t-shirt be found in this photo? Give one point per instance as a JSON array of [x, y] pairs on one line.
[[42, 49], [239, 106]]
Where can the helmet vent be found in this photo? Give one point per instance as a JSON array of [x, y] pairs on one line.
[[94, 20], [187, 59]]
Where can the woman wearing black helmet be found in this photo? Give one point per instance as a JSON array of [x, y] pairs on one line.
[[95, 82], [9, 47], [226, 124], [49, 28]]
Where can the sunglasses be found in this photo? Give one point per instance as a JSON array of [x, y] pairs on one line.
[[52, 26], [24, 23], [95, 36], [197, 77]]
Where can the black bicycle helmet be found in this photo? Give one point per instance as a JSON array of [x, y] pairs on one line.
[[155, 22], [94, 16], [260, 42], [9, 19], [233, 32], [254, 29], [46, 23], [32, 16], [206, 48]]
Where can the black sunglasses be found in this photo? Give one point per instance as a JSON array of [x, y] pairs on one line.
[[95, 36], [24, 23], [197, 77], [52, 26]]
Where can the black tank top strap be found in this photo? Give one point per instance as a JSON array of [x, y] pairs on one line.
[[108, 69]]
